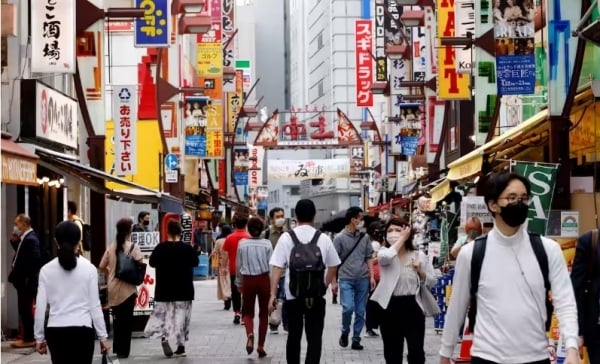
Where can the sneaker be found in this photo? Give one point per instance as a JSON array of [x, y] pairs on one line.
[[344, 341], [237, 320], [166, 348], [274, 329], [180, 351], [356, 346], [372, 333]]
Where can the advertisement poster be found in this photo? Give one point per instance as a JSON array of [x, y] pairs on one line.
[[307, 169], [380, 57], [203, 128], [515, 46], [363, 31], [152, 30], [474, 206], [241, 163], [52, 36], [147, 241]]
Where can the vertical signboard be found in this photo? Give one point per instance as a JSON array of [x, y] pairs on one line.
[[234, 101], [464, 15], [52, 36], [380, 57], [451, 84], [255, 172], [363, 31], [515, 47], [125, 119], [228, 14], [152, 30]]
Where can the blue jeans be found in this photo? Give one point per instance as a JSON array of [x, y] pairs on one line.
[[353, 297]]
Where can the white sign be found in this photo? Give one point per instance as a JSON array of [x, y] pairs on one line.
[[464, 13], [55, 116], [474, 206], [171, 176], [255, 173], [311, 168], [146, 240], [569, 224], [125, 120], [52, 36]]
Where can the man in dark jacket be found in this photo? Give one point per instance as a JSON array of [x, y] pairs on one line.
[[25, 266], [586, 268]]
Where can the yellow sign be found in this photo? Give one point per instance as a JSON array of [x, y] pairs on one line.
[[215, 147], [148, 147], [451, 85], [465, 168], [235, 101], [210, 59], [18, 170]]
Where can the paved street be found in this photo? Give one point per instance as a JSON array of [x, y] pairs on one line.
[[214, 339]]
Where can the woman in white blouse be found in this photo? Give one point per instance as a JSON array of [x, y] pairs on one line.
[[69, 285], [403, 271]]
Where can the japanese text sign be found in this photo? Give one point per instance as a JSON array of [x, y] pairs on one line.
[[380, 57], [125, 119], [363, 30], [152, 30], [53, 36]]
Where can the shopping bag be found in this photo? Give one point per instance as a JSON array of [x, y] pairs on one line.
[[275, 316], [106, 359]]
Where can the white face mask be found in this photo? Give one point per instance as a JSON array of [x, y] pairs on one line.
[[361, 224], [279, 222], [393, 237], [16, 230]]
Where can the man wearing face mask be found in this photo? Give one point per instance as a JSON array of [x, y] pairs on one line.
[[473, 229], [510, 298], [143, 224], [355, 275], [273, 232]]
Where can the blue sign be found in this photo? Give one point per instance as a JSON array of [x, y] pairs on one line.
[[171, 161], [240, 178], [409, 144], [152, 30], [516, 74], [195, 145]]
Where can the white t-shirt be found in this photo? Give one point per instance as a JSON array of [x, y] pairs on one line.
[[281, 254]]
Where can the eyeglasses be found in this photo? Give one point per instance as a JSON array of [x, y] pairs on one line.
[[514, 199]]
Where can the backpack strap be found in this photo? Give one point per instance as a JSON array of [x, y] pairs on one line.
[[316, 237], [479, 246], [267, 232], [294, 237], [542, 258]]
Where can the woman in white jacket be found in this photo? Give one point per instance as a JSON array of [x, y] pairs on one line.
[[404, 271]]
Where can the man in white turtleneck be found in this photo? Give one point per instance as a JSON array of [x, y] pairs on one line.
[[511, 312]]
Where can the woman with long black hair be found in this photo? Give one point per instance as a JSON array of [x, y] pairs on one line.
[[69, 285], [121, 295]]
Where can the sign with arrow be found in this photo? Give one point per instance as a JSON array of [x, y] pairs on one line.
[[171, 161]]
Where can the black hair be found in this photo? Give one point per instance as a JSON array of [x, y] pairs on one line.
[[352, 213], [402, 221], [255, 226], [305, 210], [123, 231], [142, 214], [241, 221], [72, 207], [67, 235], [273, 211], [376, 230], [225, 231], [174, 228], [498, 182]]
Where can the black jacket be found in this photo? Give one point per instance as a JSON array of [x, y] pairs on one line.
[[27, 263], [587, 302], [174, 263]]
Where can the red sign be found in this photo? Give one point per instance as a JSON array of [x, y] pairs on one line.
[[363, 30]]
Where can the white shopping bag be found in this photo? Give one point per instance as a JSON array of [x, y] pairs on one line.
[[275, 316]]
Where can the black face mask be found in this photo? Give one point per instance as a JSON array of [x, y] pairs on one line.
[[514, 214], [146, 223]]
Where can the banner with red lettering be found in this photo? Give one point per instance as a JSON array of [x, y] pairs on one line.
[[125, 120], [255, 172], [363, 31]]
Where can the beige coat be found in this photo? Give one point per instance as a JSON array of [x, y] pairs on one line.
[[118, 291]]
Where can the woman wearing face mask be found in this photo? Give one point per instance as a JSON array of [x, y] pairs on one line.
[[403, 271], [376, 232]]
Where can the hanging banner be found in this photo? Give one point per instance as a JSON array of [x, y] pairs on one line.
[[255, 173], [241, 163], [307, 169], [515, 47], [228, 25], [451, 84], [543, 180], [234, 101], [363, 31], [380, 57], [420, 56], [464, 13], [124, 111], [203, 128], [152, 30], [52, 36]]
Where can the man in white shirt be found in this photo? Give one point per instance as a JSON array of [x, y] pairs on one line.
[[511, 312], [301, 313]]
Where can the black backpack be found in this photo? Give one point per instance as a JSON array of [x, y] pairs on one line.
[[86, 235], [307, 269], [477, 261]]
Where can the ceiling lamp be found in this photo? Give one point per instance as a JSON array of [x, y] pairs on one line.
[[194, 24], [413, 18], [187, 6], [228, 73], [397, 51]]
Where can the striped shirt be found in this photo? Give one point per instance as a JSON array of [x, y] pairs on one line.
[[253, 257], [408, 282]]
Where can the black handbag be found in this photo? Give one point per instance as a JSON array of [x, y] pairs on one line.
[[130, 270]]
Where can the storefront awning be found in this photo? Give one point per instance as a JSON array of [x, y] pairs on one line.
[[233, 203], [439, 191], [19, 166], [96, 180], [502, 146]]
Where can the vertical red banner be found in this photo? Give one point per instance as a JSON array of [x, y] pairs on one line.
[[363, 30], [222, 178]]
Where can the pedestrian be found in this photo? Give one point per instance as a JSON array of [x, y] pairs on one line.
[[404, 272], [509, 311], [355, 275], [306, 309], [174, 262], [68, 285], [221, 261], [273, 233], [473, 229], [252, 278], [585, 276], [143, 224], [376, 231], [25, 269], [72, 216], [121, 295], [230, 246]]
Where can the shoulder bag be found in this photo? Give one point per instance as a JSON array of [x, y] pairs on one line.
[[130, 270]]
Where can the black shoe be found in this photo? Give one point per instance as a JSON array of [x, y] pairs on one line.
[[285, 327], [356, 346], [372, 333], [344, 341], [166, 348], [227, 305], [180, 351], [236, 320]]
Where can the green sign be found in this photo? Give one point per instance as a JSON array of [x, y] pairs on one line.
[[242, 63], [542, 178]]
